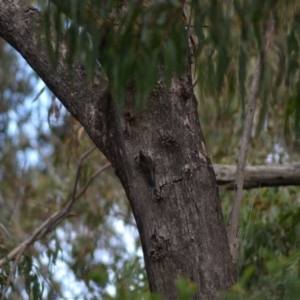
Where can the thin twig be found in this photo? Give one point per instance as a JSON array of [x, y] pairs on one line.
[[240, 170], [11, 274], [83, 156], [91, 179], [51, 222]]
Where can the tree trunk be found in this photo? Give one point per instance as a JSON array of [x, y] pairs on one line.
[[179, 218], [159, 156]]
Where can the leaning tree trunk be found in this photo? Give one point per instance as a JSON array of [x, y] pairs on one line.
[[159, 156], [174, 197]]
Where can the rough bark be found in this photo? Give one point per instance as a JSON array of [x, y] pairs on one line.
[[259, 176], [179, 216]]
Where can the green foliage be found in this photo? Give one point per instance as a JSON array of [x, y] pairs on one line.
[[269, 261], [126, 39], [32, 285], [292, 119], [130, 38], [186, 289], [280, 281]]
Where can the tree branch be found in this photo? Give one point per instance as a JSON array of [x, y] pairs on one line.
[[50, 223], [240, 169], [259, 176], [87, 100]]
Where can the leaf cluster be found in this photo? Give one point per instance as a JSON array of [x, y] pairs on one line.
[[140, 41], [130, 39]]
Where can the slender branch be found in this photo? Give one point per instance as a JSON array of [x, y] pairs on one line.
[[91, 179], [22, 26], [11, 275], [240, 170], [51, 222], [81, 159]]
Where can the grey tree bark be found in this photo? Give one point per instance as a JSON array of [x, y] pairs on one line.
[[259, 176], [159, 156]]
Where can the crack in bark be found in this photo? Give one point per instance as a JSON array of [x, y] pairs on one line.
[[158, 191]]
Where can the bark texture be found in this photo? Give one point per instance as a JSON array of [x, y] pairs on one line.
[[178, 212]]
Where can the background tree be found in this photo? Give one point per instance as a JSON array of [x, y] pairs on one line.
[[222, 82]]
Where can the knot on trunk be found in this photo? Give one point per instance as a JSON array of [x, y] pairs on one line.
[[159, 247]]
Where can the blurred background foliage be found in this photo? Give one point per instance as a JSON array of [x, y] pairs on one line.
[[97, 250]]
